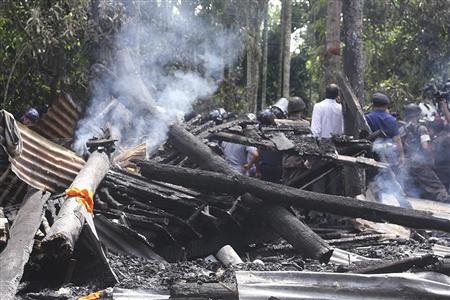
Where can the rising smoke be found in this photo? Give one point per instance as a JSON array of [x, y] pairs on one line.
[[158, 68]]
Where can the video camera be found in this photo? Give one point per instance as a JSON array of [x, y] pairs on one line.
[[438, 94]]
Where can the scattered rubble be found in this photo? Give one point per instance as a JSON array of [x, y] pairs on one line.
[[157, 224]]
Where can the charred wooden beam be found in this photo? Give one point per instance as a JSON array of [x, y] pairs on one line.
[[243, 140], [354, 120], [193, 147], [398, 266], [17, 251], [290, 227], [268, 144], [66, 229], [275, 193]]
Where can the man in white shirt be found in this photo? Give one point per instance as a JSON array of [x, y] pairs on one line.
[[327, 118]]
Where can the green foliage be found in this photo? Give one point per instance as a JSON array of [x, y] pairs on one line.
[[406, 45], [44, 51], [48, 46]]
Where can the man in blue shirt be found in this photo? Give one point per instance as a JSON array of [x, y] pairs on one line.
[[380, 119]]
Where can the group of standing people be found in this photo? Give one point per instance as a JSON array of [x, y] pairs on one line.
[[420, 153]]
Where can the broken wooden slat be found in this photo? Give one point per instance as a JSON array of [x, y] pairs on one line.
[[18, 249]]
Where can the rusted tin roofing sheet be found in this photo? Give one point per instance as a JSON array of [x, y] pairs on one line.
[[60, 120], [43, 164]]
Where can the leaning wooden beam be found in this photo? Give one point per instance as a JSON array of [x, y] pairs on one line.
[[291, 229], [276, 193], [18, 249], [354, 120], [193, 147], [60, 240]]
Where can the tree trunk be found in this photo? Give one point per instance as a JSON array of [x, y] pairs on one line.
[[333, 40], [280, 52], [287, 47], [264, 58], [283, 195], [353, 56], [253, 22]]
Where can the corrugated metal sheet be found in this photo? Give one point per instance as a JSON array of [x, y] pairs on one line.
[[441, 250], [45, 165], [345, 258], [317, 285], [60, 120]]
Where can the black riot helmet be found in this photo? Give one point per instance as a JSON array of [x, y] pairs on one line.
[[412, 110], [296, 104], [266, 117], [218, 115]]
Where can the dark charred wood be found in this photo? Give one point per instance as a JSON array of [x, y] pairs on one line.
[[106, 195], [222, 127], [211, 244], [239, 139], [275, 193], [193, 147], [17, 251], [398, 266], [199, 152], [299, 235], [356, 239], [443, 266]]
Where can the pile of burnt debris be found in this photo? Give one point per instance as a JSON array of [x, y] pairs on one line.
[[184, 224]]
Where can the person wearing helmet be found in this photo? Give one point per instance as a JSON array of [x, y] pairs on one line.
[[419, 157], [327, 117], [380, 119], [30, 117], [218, 115], [296, 108], [293, 165], [440, 137]]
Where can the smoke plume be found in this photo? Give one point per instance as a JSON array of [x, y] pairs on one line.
[[158, 68]]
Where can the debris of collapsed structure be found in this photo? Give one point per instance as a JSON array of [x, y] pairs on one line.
[[186, 203]]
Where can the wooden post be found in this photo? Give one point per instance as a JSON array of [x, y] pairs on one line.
[[61, 239]]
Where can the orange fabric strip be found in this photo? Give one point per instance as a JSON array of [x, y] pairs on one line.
[[92, 296], [84, 196]]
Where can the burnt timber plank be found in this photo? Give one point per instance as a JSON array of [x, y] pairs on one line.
[[18, 249]]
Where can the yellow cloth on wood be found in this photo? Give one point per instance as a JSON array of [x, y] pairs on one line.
[[84, 196]]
